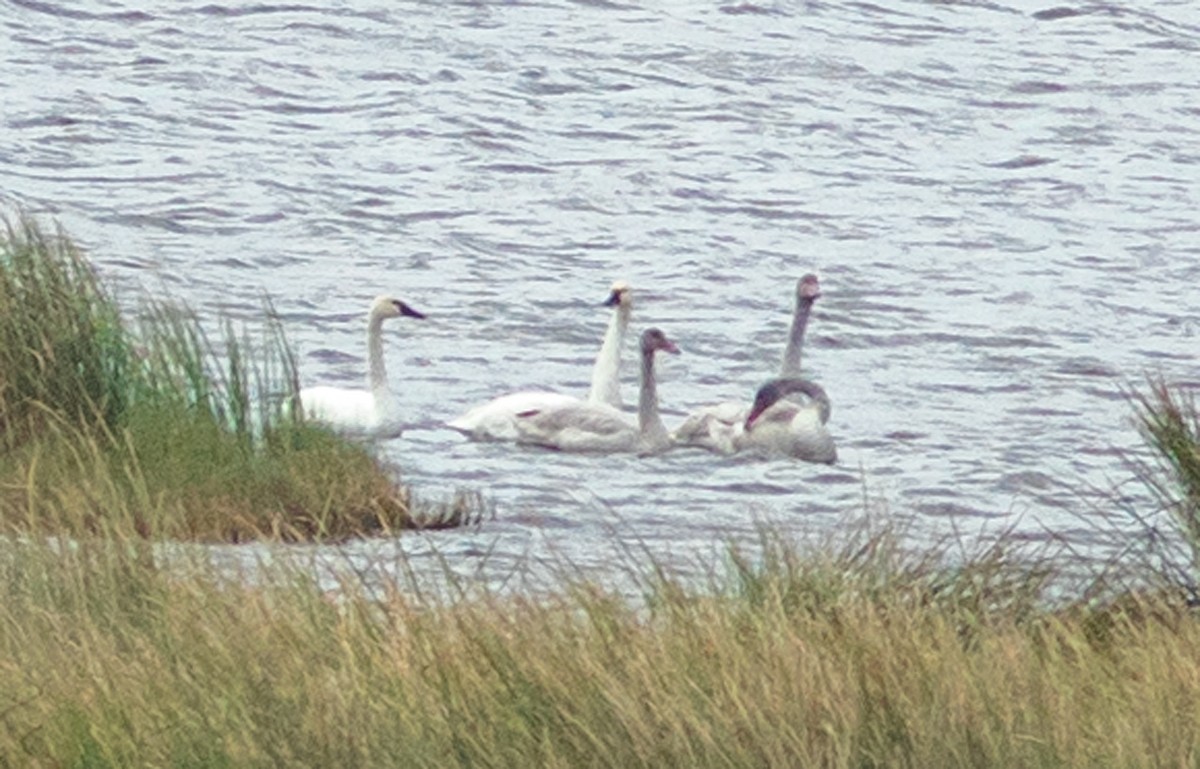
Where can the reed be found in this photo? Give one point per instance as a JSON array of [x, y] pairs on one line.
[[1170, 424], [157, 425], [115, 655], [62, 345]]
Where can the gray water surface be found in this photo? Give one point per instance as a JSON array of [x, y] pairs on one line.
[[1001, 200]]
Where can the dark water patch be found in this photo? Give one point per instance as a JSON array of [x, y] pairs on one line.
[[749, 9], [1061, 12], [592, 134], [1038, 87], [752, 488], [332, 30], [1086, 367], [46, 121], [966, 389], [1043, 411], [906, 436], [515, 168], [1003, 104], [234, 263], [57, 10], [1022, 161], [541, 521], [773, 212], [1028, 479], [253, 9], [955, 510]]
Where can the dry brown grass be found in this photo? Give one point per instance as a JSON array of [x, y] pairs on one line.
[[109, 660]]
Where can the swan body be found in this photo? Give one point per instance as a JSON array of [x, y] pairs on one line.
[[713, 427], [598, 427], [496, 419], [372, 411], [780, 424]]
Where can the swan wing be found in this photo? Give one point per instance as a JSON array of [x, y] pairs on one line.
[[578, 427], [713, 427], [345, 410], [496, 419], [788, 429]]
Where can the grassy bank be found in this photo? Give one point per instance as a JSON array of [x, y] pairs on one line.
[[152, 426], [857, 656]]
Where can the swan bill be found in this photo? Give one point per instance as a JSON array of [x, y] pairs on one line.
[[407, 311]]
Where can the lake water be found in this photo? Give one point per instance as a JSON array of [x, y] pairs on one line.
[[1002, 201]]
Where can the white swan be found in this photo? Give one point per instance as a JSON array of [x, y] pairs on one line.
[[779, 424], [367, 412], [496, 419], [600, 427], [714, 427]]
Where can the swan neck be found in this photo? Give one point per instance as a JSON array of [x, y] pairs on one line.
[[817, 397], [824, 407], [795, 345], [376, 372], [606, 374], [650, 423]]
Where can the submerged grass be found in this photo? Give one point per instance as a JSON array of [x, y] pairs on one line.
[[157, 425]]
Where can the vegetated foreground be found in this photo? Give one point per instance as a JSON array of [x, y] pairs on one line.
[[116, 651], [862, 657], [155, 428]]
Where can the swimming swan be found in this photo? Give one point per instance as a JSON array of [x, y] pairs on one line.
[[714, 427], [600, 427], [778, 424], [495, 420], [368, 412]]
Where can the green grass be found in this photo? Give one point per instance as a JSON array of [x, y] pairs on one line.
[[155, 425], [62, 345], [1170, 425]]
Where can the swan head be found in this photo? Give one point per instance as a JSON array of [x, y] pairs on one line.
[[389, 307], [654, 339], [777, 389], [808, 288], [619, 295]]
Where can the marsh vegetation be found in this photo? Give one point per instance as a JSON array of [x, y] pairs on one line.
[[151, 425], [118, 650]]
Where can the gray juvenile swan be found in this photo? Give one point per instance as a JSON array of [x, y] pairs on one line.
[[372, 411], [599, 427], [782, 426], [496, 419], [713, 427]]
